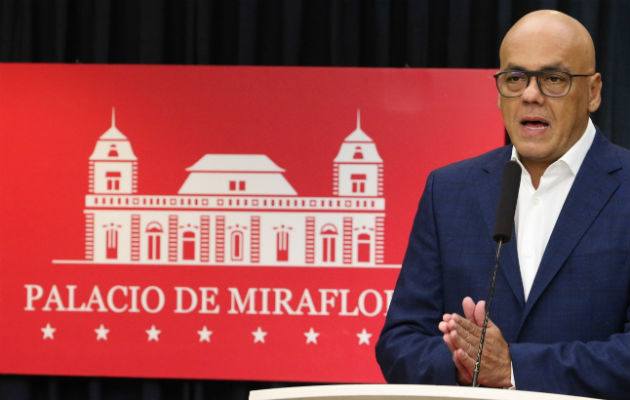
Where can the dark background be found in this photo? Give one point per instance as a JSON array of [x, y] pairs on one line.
[[363, 33]]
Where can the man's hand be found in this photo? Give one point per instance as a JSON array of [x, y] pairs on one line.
[[462, 335]]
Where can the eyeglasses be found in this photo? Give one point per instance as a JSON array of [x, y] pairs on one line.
[[550, 83]]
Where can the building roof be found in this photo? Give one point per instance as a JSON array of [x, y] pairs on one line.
[[358, 142], [113, 133], [113, 145], [358, 135], [235, 163]]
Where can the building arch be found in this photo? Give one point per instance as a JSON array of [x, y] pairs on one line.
[[328, 234], [188, 245], [364, 247], [154, 234]]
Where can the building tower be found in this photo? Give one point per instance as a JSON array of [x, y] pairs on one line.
[[113, 168], [358, 168]]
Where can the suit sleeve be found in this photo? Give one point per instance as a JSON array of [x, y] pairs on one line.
[[410, 348], [594, 368]]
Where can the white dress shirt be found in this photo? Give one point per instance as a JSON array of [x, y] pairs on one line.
[[537, 210]]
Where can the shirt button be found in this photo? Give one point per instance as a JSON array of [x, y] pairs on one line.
[[535, 201]]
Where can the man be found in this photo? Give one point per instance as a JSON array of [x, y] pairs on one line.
[[560, 318]]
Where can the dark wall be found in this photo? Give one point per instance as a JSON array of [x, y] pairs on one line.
[[366, 33]]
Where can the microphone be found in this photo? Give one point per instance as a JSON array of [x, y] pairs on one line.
[[502, 234], [507, 202]]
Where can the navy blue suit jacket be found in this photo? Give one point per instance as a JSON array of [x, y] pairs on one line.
[[572, 336]]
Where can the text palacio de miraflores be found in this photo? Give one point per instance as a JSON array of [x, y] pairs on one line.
[[208, 300]]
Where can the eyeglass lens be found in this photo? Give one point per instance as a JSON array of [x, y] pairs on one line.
[[552, 83]]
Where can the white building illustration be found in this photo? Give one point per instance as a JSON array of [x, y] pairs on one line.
[[235, 209]]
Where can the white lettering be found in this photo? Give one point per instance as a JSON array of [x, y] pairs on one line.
[[250, 299], [33, 292], [389, 293], [264, 308], [283, 296], [110, 299], [306, 301], [325, 301], [95, 298], [377, 298], [145, 303], [192, 296], [54, 298], [134, 299], [208, 296], [344, 305]]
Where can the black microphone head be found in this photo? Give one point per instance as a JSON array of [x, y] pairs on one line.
[[507, 202]]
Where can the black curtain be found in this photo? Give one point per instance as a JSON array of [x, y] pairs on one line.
[[364, 33]]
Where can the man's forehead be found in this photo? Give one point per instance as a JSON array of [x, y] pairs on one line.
[[547, 40]]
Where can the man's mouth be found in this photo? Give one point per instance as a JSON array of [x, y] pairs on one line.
[[534, 123]]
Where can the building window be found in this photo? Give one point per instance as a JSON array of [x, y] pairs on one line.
[[154, 240], [113, 180], [236, 245], [237, 186], [363, 243], [112, 151], [188, 245], [358, 183], [358, 153], [329, 239], [282, 242], [111, 245]]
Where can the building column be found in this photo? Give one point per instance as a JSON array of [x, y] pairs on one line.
[[310, 240], [135, 237], [347, 240], [255, 240], [204, 239], [89, 237], [172, 238], [380, 239], [220, 239]]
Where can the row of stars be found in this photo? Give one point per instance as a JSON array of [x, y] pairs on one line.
[[153, 334]]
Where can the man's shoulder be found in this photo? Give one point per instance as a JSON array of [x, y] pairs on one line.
[[610, 156], [487, 161]]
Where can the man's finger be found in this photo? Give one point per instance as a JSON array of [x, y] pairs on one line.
[[449, 342], [479, 313], [468, 305], [464, 363], [466, 328], [464, 377], [443, 327]]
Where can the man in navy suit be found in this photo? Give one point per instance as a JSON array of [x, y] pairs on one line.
[[561, 312]]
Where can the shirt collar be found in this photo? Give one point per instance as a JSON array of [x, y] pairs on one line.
[[574, 157]]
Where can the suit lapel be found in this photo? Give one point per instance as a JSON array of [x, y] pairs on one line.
[[488, 192], [591, 189]]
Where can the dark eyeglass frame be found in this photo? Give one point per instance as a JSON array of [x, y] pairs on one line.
[[537, 74]]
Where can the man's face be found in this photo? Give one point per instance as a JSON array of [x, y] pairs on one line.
[[543, 128]]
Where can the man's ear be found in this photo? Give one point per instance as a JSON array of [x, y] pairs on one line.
[[594, 92]]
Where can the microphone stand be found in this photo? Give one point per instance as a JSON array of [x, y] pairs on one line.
[[487, 314]]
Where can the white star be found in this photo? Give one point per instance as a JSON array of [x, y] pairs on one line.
[[364, 337], [311, 336], [48, 331], [101, 333], [204, 334], [259, 335], [153, 333]]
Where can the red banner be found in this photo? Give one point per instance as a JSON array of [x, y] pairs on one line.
[[216, 222]]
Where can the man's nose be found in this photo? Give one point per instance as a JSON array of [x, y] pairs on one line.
[[532, 91]]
